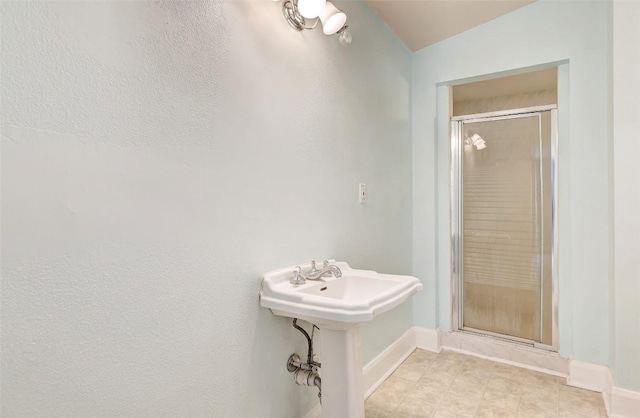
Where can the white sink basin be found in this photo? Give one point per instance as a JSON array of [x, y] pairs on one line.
[[335, 303]]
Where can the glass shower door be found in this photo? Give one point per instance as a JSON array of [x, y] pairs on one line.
[[504, 251]]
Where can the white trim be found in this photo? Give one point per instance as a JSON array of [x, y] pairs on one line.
[[501, 113], [619, 403], [427, 339], [624, 403], [606, 391], [385, 363], [588, 376]]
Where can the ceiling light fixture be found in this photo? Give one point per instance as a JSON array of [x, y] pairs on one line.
[[296, 12]]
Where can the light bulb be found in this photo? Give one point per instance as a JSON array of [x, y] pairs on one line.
[[332, 19], [345, 38], [311, 8]]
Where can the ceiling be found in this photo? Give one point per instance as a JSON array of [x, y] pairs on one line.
[[420, 23]]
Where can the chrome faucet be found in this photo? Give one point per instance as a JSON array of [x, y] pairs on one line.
[[331, 269], [313, 267], [297, 277], [325, 264], [314, 274]]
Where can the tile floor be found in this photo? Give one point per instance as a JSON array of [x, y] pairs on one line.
[[454, 385]]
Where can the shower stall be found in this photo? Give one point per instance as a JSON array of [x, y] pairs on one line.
[[504, 225]]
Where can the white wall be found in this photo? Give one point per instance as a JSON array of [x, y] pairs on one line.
[[157, 158], [626, 125], [577, 35]]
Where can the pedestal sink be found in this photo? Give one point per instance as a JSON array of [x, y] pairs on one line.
[[338, 305]]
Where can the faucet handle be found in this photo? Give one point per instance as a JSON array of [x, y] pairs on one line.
[[297, 278], [314, 269], [325, 264]]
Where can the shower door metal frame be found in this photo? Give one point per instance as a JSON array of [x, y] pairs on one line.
[[456, 205]]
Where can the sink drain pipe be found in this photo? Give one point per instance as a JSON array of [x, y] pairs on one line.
[[305, 374]]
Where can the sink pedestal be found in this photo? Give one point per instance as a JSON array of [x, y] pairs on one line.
[[341, 373]]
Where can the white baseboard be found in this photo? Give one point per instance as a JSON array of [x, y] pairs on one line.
[[624, 403], [427, 339], [385, 363], [606, 392], [588, 376]]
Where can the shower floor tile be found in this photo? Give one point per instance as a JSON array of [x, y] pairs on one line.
[[454, 385]]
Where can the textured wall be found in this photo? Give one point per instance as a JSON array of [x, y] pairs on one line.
[[575, 34], [156, 159]]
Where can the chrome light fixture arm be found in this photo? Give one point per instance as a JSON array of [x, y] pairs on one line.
[[343, 29], [299, 14], [293, 16]]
